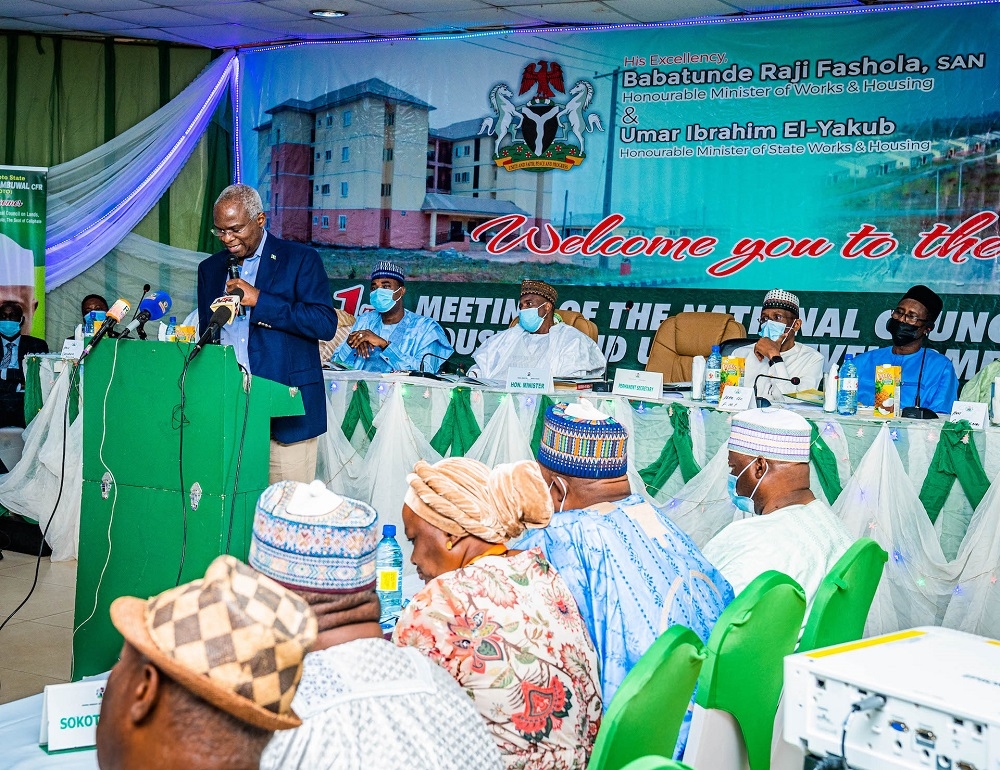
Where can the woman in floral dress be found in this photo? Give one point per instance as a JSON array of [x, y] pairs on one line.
[[502, 622]]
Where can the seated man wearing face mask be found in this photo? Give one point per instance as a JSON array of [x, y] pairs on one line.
[[631, 570], [539, 340], [391, 338], [777, 353], [786, 527], [925, 372], [14, 346]]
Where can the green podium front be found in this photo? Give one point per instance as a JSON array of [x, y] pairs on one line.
[[151, 504]]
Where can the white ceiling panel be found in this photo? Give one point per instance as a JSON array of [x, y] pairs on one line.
[[648, 11], [97, 6], [223, 23]]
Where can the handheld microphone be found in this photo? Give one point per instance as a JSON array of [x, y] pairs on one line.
[[233, 269], [763, 402], [223, 311], [917, 412], [114, 315], [152, 308]]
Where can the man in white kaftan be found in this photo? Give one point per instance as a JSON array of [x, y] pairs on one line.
[[369, 704], [787, 528], [364, 703], [777, 354], [537, 341]]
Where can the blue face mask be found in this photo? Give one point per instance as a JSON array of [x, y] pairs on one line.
[[383, 300], [773, 330], [530, 319], [742, 502], [10, 329]]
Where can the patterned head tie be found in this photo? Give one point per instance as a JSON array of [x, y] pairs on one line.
[[307, 537], [234, 638], [772, 433], [387, 269], [578, 440], [782, 300], [541, 289]]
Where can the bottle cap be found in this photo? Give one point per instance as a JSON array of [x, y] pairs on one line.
[[388, 530], [716, 348], [173, 319], [848, 357]]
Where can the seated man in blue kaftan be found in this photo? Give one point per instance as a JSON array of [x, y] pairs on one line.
[[929, 378], [391, 338], [632, 572]]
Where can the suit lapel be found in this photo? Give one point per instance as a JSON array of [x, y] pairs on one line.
[[269, 259]]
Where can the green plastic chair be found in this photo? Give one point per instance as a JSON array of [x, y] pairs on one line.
[[656, 763], [646, 713], [744, 671], [840, 607]]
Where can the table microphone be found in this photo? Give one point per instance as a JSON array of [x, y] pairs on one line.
[[224, 310], [917, 412], [427, 375], [763, 402], [115, 315]]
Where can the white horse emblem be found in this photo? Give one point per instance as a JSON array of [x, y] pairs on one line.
[[575, 112], [500, 98]]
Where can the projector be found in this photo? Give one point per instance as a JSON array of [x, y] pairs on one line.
[[942, 701]]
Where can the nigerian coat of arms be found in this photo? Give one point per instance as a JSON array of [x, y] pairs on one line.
[[542, 133]]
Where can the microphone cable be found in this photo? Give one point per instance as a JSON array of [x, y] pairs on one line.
[[74, 379], [239, 457], [182, 383]]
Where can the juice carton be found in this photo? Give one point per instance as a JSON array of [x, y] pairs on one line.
[[186, 334], [887, 382], [733, 368]]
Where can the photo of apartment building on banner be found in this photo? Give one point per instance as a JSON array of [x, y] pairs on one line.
[[361, 167]]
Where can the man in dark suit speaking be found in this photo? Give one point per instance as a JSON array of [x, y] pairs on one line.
[[287, 309]]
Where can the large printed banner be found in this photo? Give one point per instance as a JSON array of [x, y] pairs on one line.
[[654, 169], [22, 243]]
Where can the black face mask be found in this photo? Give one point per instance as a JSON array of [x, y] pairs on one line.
[[902, 334]]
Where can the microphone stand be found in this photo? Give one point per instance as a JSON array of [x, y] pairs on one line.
[[763, 402], [427, 375], [917, 412]]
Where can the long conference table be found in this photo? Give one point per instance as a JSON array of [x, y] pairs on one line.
[[923, 489]]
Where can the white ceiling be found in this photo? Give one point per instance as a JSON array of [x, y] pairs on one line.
[[226, 23]]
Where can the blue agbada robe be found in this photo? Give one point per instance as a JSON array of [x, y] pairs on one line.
[[938, 383], [633, 574], [409, 341]]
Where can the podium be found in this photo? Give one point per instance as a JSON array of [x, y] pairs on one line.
[[137, 521]]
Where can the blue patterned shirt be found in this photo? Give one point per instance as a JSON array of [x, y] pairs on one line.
[[414, 337], [633, 574]]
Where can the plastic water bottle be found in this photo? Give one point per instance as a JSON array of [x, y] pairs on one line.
[[171, 333], [389, 577], [713, 375], [847, 387]]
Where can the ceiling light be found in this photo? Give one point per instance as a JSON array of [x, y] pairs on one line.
[[324, 13]]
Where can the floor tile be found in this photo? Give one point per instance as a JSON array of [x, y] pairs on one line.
[[47, 599], [62, 619], [15, 685], [39, 649], [12, 558], [61, 573]]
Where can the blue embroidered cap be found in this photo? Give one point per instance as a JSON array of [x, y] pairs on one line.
[[305, 536], [578, 440], [387, 269]]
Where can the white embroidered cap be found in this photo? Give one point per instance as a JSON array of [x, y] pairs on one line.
[[17, 264], [773, 433]]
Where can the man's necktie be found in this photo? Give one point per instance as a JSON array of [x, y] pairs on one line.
[[8, 356]]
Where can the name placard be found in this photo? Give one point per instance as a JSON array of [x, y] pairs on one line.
[[72, 349], [737, 398], [973, 411], [637, 384], [69, 715], [529, 380]]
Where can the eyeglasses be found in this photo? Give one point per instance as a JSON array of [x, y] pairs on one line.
[[223, 232], [911, 318]]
